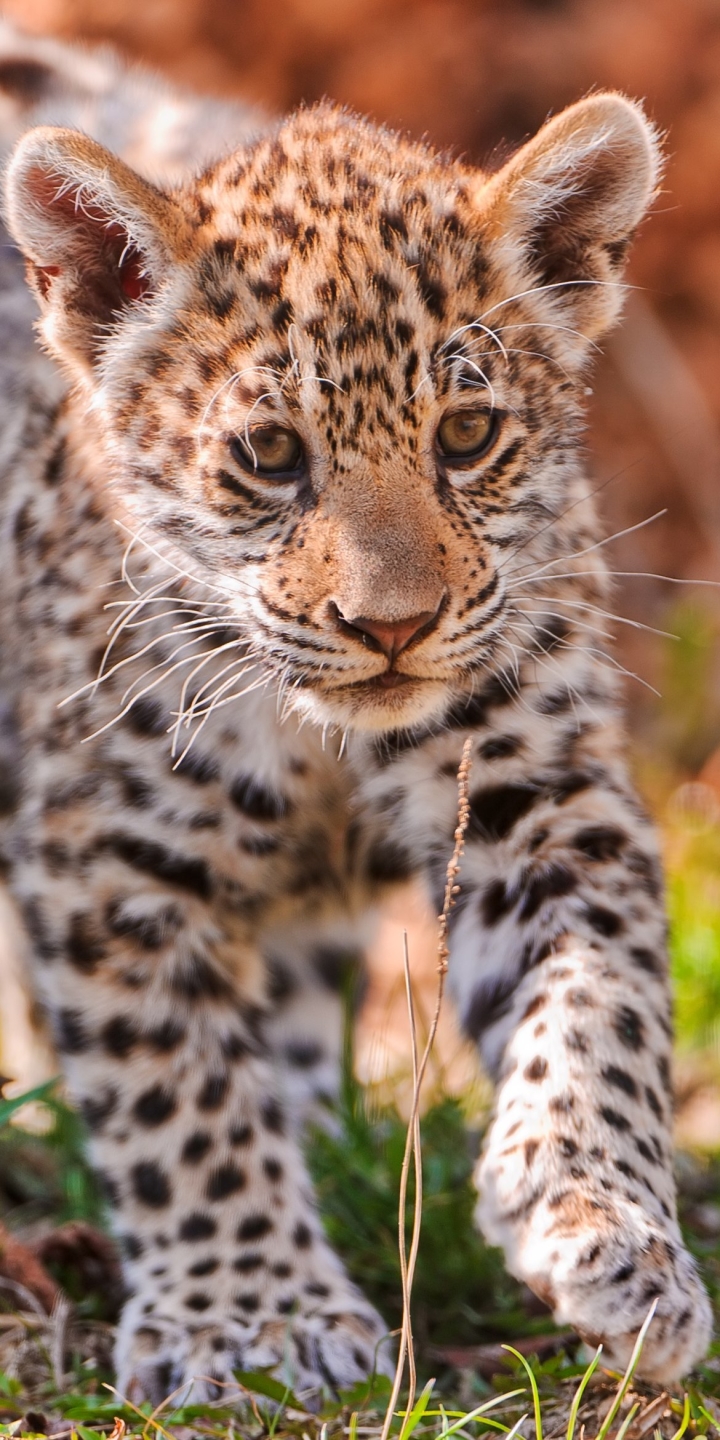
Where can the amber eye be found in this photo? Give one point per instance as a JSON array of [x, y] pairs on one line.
[[467, 434], [269, 450]]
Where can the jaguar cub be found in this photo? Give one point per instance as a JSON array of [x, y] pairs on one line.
[[312, 450]]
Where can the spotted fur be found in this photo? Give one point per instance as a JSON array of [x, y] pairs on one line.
[[212, 799]]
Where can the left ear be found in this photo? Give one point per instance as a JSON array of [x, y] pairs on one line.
[[96, 236], [560, 215]]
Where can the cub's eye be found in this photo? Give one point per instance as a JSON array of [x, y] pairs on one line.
[[269, 450], [467, 434]]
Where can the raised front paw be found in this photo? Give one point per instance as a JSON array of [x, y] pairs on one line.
[[313, 1352], [600, 1267]]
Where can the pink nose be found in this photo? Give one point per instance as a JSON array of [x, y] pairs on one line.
[[390, 637]]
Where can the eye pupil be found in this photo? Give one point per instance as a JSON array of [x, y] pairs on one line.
[[268, 450], [466, 434]]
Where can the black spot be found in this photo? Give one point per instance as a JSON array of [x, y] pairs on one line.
[[600, 842], [272, 1116], [193, 976], [604, 922], [501, 747], [204, 1267], [663, 1066], [196, 1147], [302, 1235], [45, 946], [652, 1156], [258, 801], [155, 1106], [333, 963], [645, 960], [96, 1109], [151, 1184], [273, 1169], [614, 1118], [254, 1227], [70, 1033], [198, 1301], [201, 769], [213, 1092], [197, 1227], [166, 1036], [549, 883], [240, 1134], [567, 1147], [303, 1053], [119, 1035], [249, 1302], [537, 1069], [281, 983], [495, 903], [83, 947], [495, 810], [316, 1287], [132, 1246], [224, 1181], [148, 931], [625, 1169], [653, 1102], [624, 1272], [620, 1079], [388, 862], [149, 858], [629, 1028], [573, 783], [147, 717], [247, 1263], [490, 1001]]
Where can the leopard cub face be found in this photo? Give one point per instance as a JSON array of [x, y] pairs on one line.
[[337, 378]]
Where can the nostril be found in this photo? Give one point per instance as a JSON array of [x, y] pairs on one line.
[[388, 637]]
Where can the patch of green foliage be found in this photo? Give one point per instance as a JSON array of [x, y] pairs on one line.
[[694, 907], [462, 1293], [44, 1171]]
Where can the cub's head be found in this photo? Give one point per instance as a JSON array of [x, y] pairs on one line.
[[337, 378]]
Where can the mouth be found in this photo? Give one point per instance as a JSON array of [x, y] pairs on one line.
[[388, 680]]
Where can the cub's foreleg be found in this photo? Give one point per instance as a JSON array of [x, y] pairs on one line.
[[160, 1013], [560, 968]]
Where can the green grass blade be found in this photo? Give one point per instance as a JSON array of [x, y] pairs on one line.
[[627, 1422], [685, 1419], [40, 1092], [577, 1401], [412, 1420], [533, 1386], [280, 1409], [627, 1377], [480, 1411]]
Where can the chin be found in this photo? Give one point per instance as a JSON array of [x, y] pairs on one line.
[[373, 710]]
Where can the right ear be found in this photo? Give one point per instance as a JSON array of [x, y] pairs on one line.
[[97, 237]]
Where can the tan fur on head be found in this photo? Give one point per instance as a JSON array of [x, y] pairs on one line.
[[95, 234], [355, 289]]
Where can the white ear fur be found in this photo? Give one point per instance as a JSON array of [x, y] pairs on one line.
[[96, 236], [561, 213]]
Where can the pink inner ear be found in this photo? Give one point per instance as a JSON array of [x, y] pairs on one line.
[[133, 282]]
